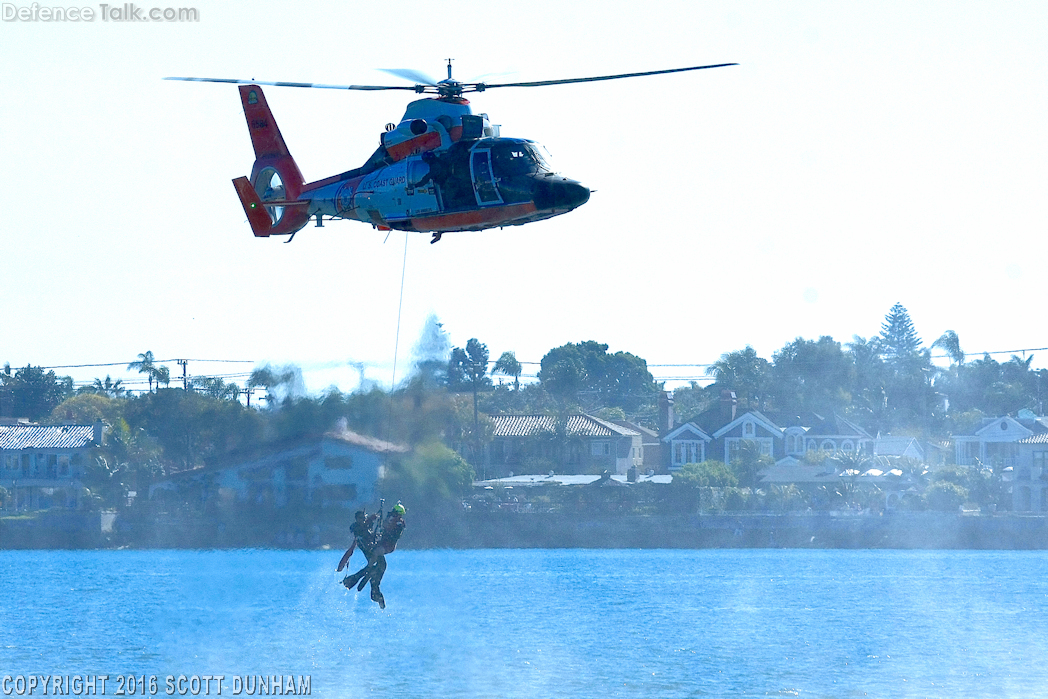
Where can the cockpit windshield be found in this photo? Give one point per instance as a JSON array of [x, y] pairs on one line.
[[518, 158]]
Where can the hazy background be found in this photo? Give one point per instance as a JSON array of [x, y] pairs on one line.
[[860, 155]]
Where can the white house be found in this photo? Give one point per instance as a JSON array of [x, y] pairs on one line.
[[1030, 477], [996, 442]]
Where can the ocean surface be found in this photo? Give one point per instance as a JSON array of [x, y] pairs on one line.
[[533, 623]]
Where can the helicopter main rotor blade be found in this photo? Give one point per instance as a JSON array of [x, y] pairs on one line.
[[236, 81], [409, 74], [480, 87]]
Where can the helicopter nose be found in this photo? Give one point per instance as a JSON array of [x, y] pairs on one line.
[[560, 194]]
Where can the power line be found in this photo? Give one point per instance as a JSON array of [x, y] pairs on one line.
[[155, 361], [682, 365]]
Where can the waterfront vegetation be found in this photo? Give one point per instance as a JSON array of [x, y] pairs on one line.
[[888, 384]]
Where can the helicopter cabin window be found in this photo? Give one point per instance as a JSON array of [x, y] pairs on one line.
[[252, 97]]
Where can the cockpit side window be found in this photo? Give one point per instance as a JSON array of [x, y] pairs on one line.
[[537, 155], [510, 159]]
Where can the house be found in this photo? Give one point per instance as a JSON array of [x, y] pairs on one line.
[[717, 434], [576, 443], [899, 447], [995, 443], [703, 439], [42, 466], [651, 445], [1030, 477], [338, 469], [827, 433], [686, 444]]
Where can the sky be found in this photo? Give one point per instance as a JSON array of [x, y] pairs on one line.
[[860, 155]]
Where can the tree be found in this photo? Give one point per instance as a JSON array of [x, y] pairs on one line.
[[162, 375], [586, 374], [812, 375], [108, 388], [507, 365], [562, 373], [281, 382], [747, 463], [31, 392], [949, 343], [869, 375], [431, 477], [88, 408], [468, 368], [128, 460], [944, 496], [708, 474], [190, 427], [215, 387], [899, 339], [692, 485], [745, 373], [145, 364]]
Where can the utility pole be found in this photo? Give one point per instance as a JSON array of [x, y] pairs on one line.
[[185, 379], [249, 391]]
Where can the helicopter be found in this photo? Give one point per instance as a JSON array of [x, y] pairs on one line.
[[440, 169]]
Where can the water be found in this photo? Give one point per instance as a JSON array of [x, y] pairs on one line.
[[541, 623]]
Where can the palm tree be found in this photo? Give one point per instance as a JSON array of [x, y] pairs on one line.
[[162, 375], [145, 365], [507, 365], [951, 345], [109, 388], [745, 373]]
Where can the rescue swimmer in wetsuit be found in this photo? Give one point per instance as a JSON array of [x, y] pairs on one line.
[[386, 542], [363, 530]]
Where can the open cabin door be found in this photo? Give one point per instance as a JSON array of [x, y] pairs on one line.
[[483, 180]]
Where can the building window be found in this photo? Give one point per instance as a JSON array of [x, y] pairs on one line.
[[794, 444], [600, 448], [828, 445], [747, 429], [689, 452]]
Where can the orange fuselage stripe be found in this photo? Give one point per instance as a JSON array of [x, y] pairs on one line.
[[458, 220]]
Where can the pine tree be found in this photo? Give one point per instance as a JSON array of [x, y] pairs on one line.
[[898, 336]]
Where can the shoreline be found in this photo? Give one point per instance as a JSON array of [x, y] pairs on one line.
[[508, 530]]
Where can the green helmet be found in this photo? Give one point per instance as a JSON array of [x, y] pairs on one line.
[[399, 509]]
